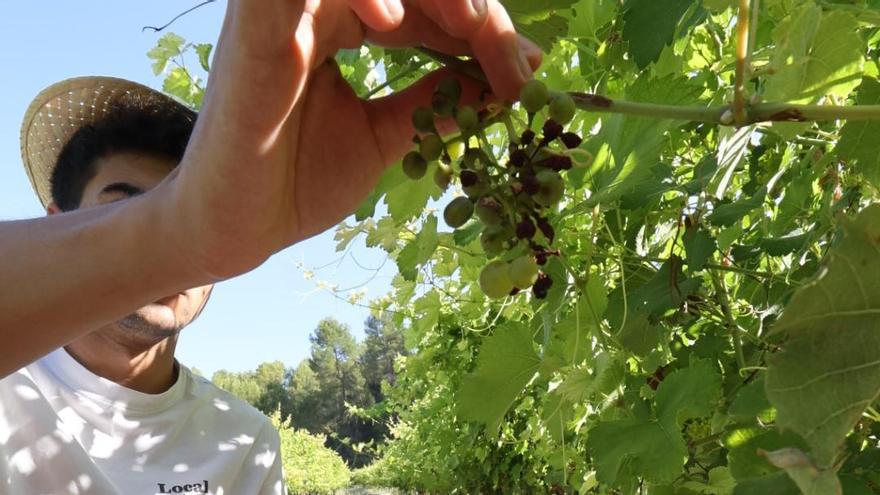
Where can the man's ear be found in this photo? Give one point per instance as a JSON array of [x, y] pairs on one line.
[[52, 209]]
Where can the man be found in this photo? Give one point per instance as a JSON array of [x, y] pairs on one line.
[[263, 169], [113, 411]]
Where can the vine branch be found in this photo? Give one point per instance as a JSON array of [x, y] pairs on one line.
[[718, 114], [742, 60]]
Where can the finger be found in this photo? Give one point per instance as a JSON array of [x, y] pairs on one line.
[[391, 116], [496, 46], [418, 29], [461, 18], [380, 15]]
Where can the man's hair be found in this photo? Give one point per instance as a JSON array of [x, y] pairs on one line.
[[136, 123]]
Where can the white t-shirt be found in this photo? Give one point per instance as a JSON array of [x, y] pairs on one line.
[[65, 430]]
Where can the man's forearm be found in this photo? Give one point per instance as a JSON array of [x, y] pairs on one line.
[[67, 274]]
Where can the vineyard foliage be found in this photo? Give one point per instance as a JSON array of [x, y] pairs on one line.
[[714, 322]]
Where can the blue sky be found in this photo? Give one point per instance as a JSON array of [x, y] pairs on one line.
[[262, 316]]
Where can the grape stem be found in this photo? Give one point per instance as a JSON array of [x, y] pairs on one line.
[[718, 114]]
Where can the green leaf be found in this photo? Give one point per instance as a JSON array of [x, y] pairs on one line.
[[687, 393], [168, 46], [810, 479], [556, 413], [649, 25], [699, 246], [744, 444], [817, 54], [729, 213], [467, 234], [629, 448], [406, 199], [860, 141], [506, 364], [419, 250], [751, 401], [204, 51], [179, 83], [585, 18], [833, 340], [774, 484]]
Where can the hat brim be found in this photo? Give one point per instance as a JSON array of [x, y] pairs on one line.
[[58, 112]]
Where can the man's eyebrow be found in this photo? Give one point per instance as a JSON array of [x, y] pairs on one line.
[[122, 187]]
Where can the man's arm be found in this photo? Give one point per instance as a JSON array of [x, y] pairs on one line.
[[264, 168], [68, 274]]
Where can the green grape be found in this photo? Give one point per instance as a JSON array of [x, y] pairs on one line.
[[489, 211], [495, 280], [467, 119], [562, 108], [492, 239], [414, 166], [450, 87], [442, 175], [447, 96], [523, 271], [455, 149], [431, 147], [550, 188], [423, 119], [534, 96], [458, 212]]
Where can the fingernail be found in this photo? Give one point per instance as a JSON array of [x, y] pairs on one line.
[[524, 66], [528, 46], [394, 9], [480, 7]]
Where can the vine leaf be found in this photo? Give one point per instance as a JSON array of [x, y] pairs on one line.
[[506, 364], [810, 479], [654, 448], [833, 343], [817, 54], [419, 250], [860, 141], [650, 25]]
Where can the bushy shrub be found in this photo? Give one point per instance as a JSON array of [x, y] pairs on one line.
[[309, 466]]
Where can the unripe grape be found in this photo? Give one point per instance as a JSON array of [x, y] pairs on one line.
[[552, 130], [562, 108], [542, 286], [523, 272], [442, 175], [458, 212], [414, 166], [450, 87], [455, 149], [495, 280], [551, 188], [467, 119], [489, 211], [468, 178], [571, 140], [546, 229], [423, 119], [527, 137], [519, 157], [431, 147], [534, 96], [525, 229], [492, 239], [530, 183]]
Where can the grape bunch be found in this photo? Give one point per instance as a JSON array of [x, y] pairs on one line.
[[511, 191]]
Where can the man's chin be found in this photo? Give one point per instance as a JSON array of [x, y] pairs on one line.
[[153, 321]]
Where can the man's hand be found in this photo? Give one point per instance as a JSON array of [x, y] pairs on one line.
[[283, 148]]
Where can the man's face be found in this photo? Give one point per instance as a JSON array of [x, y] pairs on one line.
[[120, 176]]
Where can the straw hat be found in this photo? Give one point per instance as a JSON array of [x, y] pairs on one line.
[[58, 112]]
